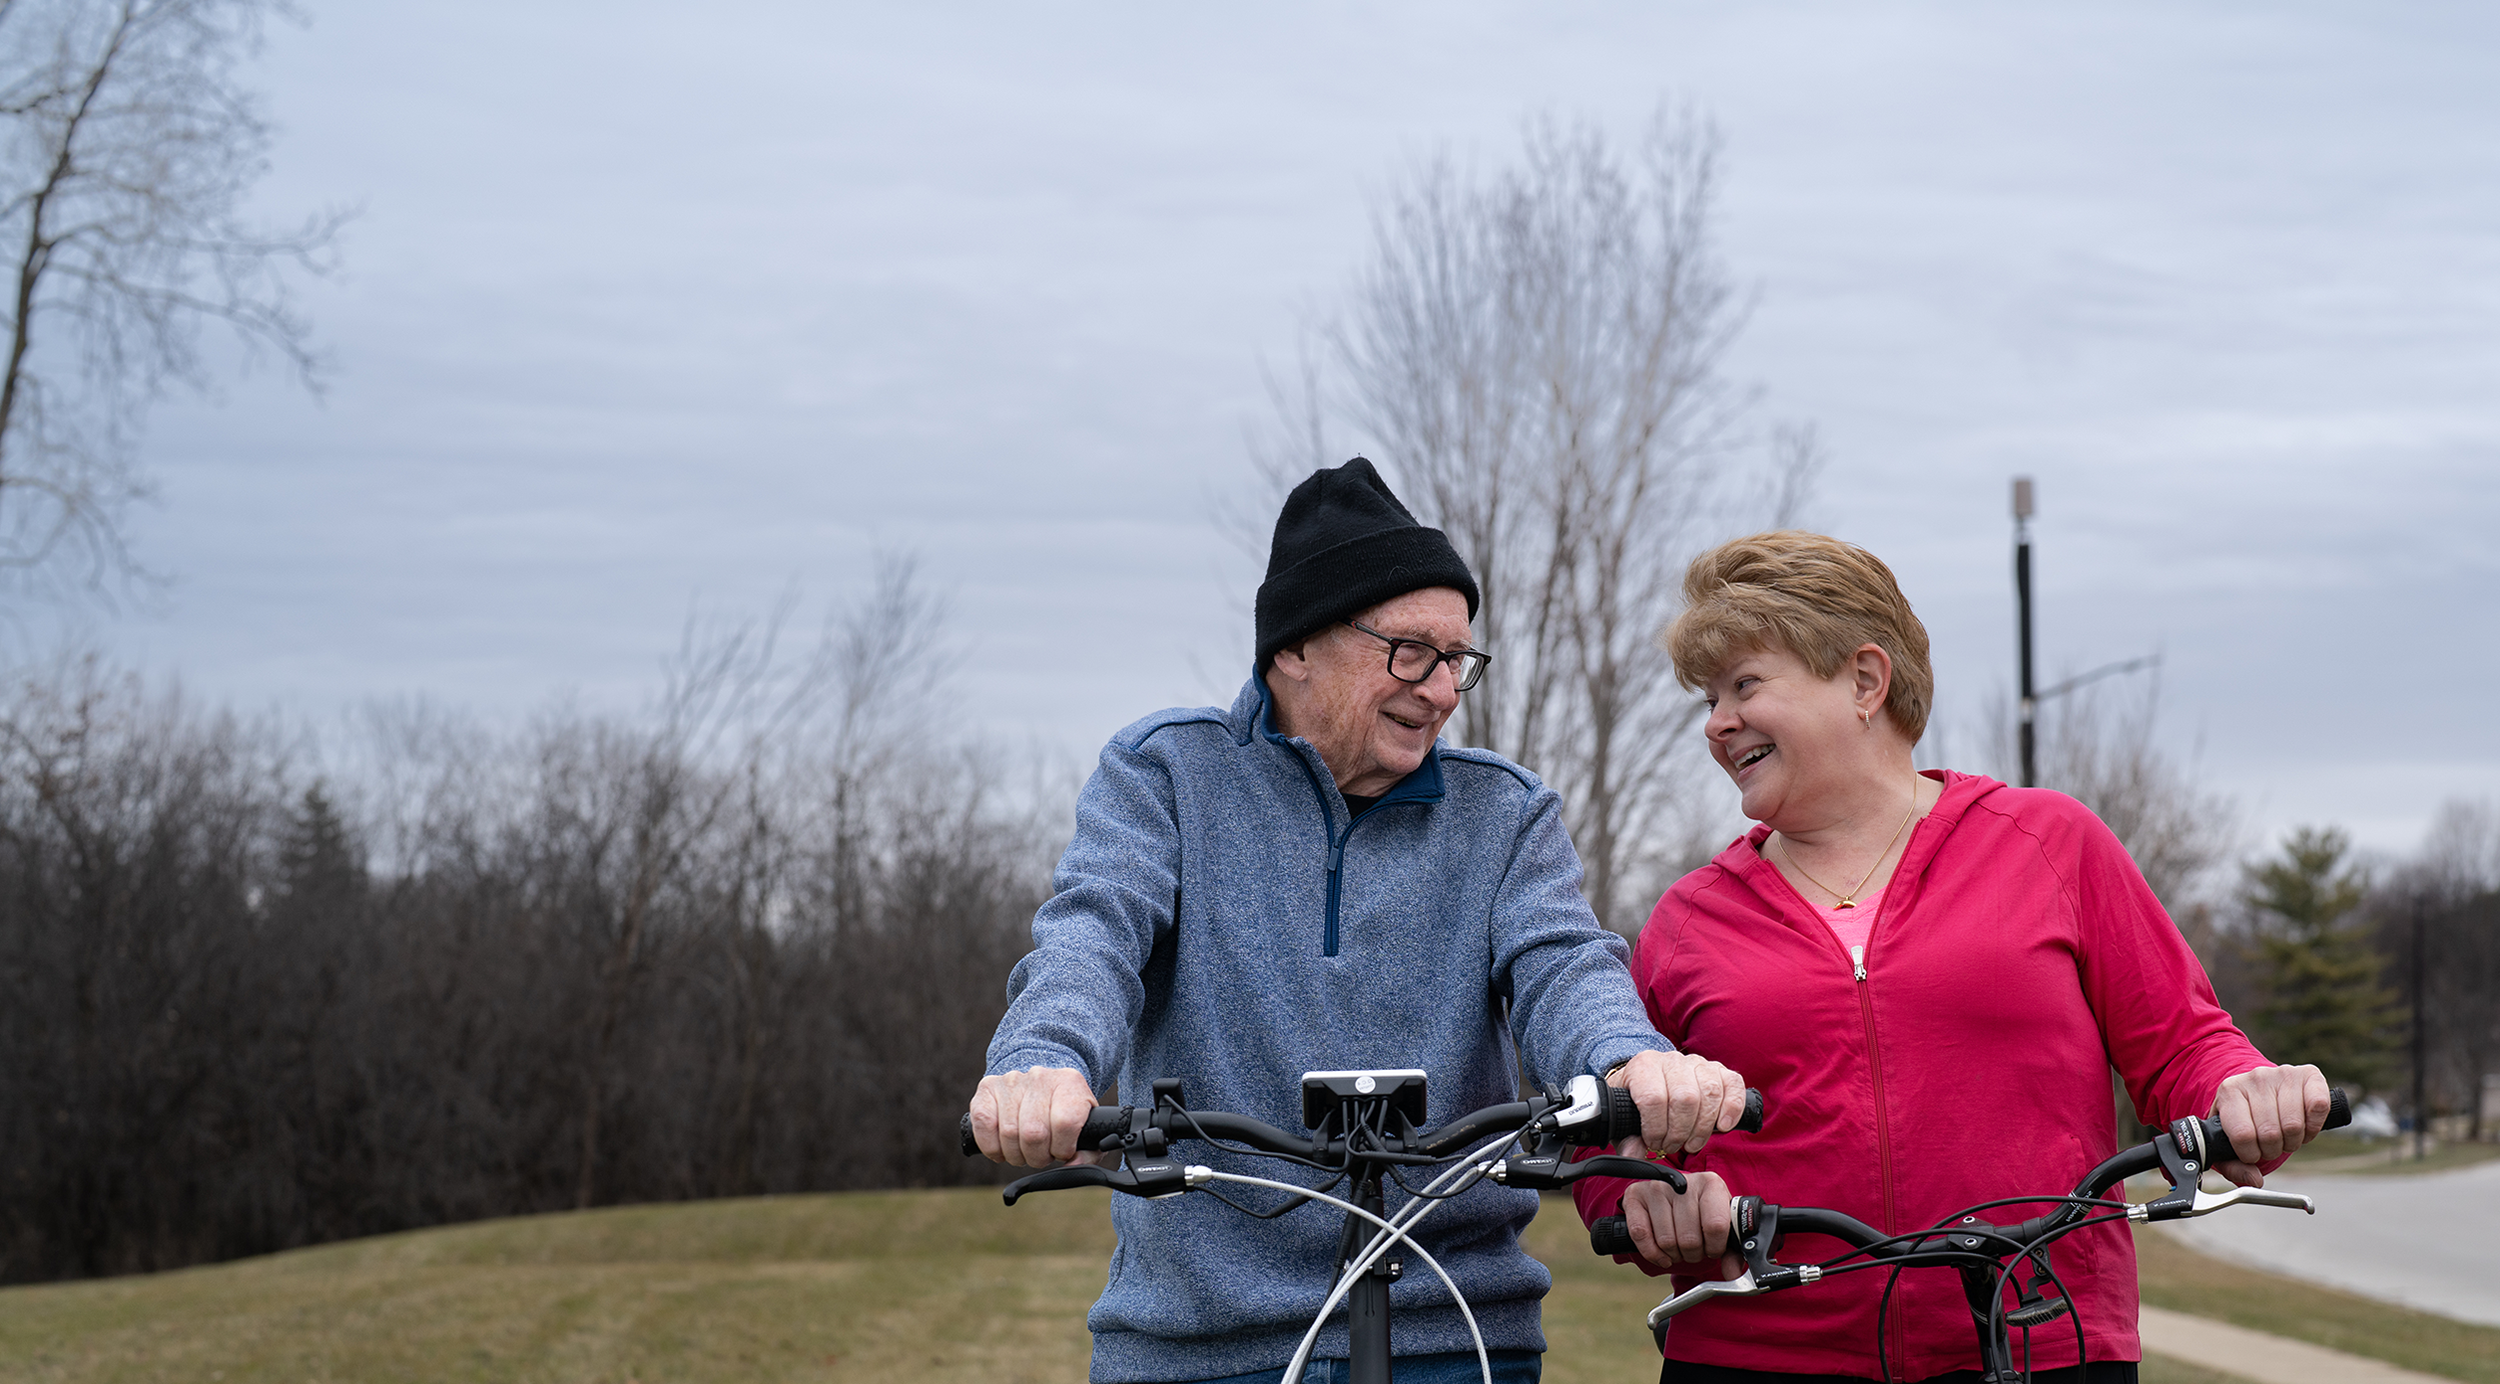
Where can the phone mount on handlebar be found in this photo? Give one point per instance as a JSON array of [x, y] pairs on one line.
[[1341, 1102]]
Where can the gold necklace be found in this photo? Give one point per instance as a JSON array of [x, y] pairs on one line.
[[1850, 899]]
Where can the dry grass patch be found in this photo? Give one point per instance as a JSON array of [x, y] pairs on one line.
[[895, 1285], [2392, 1158], [862, 1286]]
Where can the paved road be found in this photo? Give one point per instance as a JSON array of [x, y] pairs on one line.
[[2431, 1242]]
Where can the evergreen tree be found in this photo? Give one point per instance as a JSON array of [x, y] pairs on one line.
[[2324, 1000], [321, 866]]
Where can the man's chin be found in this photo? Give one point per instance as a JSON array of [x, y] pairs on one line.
[[1402, 761]]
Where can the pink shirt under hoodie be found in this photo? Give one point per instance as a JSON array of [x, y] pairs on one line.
[[2016, 956]]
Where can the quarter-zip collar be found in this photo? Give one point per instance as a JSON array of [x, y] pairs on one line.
[[1337, 821]]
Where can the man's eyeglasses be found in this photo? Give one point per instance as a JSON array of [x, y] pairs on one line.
[[1412, 660]]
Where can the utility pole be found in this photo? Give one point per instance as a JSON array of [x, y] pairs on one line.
[[2022, 599], [2421, 1112]]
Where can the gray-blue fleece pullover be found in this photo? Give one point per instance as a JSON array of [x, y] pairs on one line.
[[1219, 918]]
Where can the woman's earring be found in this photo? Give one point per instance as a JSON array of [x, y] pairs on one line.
[[1866, 719]]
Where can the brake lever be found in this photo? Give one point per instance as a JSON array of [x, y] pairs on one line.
[[2207, 1203], [1548, 1172], [1142, 1177], [1742, 1285]]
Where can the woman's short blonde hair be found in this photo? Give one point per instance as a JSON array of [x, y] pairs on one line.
[[1818, 598]]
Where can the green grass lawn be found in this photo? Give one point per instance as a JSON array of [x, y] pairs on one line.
[[890, 1285], [862, 1286], [2388, 1158]]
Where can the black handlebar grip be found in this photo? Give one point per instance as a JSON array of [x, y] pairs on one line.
[[2338, 1109], [1611, 1235], [1105, 1121], [1621, 1119]]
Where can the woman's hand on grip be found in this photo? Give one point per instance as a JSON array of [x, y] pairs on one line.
[[2273, 1110], [1676, 1230]]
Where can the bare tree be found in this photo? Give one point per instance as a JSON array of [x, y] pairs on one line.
[[2098, 746], [2447, 902], [1536, 354], [126, 145]]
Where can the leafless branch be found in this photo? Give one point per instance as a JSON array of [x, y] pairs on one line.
[[1535, 353], [127, 144]]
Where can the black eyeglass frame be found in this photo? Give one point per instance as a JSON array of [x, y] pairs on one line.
[[1466, 665]]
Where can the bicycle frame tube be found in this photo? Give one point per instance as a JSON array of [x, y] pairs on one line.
[[1367, 1304]]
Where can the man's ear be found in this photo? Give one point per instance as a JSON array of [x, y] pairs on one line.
[[1293, 660]]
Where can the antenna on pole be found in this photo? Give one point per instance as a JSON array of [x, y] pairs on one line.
[[2023, 510]]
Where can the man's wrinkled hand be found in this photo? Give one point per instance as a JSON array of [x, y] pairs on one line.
[[1030, 1119], [1683, 1100]]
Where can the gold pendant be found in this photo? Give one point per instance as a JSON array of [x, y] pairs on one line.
[[1848, 903]]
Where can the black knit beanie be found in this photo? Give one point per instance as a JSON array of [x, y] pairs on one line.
[[1344, 543]]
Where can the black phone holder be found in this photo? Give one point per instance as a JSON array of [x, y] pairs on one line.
[[1336, 1103]]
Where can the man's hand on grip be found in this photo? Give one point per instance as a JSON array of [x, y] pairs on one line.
[[1030, 1119], [1683, 1100]]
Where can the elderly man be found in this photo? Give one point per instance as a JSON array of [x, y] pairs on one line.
[[1309, 880]]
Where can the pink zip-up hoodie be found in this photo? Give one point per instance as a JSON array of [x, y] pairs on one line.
[[2017, 957]]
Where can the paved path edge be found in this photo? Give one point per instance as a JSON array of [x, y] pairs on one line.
[[2256, 1355]]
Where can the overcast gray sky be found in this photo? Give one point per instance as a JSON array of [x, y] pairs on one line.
[[653, 309]]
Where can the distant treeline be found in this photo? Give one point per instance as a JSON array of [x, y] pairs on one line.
[[583, 964], [752, 942]]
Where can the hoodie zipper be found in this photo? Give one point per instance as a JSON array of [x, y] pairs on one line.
[[1336, 855], [1883, 1130], [1336, 883]]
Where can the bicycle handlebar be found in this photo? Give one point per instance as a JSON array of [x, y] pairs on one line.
[[1112, 1126], [2208, 1138], [1584, 1112], [2183, 1152]]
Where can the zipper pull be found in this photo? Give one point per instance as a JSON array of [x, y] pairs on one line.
[[1857, 958], [1336, 856]]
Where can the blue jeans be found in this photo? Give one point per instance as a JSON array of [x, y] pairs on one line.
[[1452, 1367]]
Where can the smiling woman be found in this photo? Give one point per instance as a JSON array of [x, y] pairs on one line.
[[1923, 970]]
